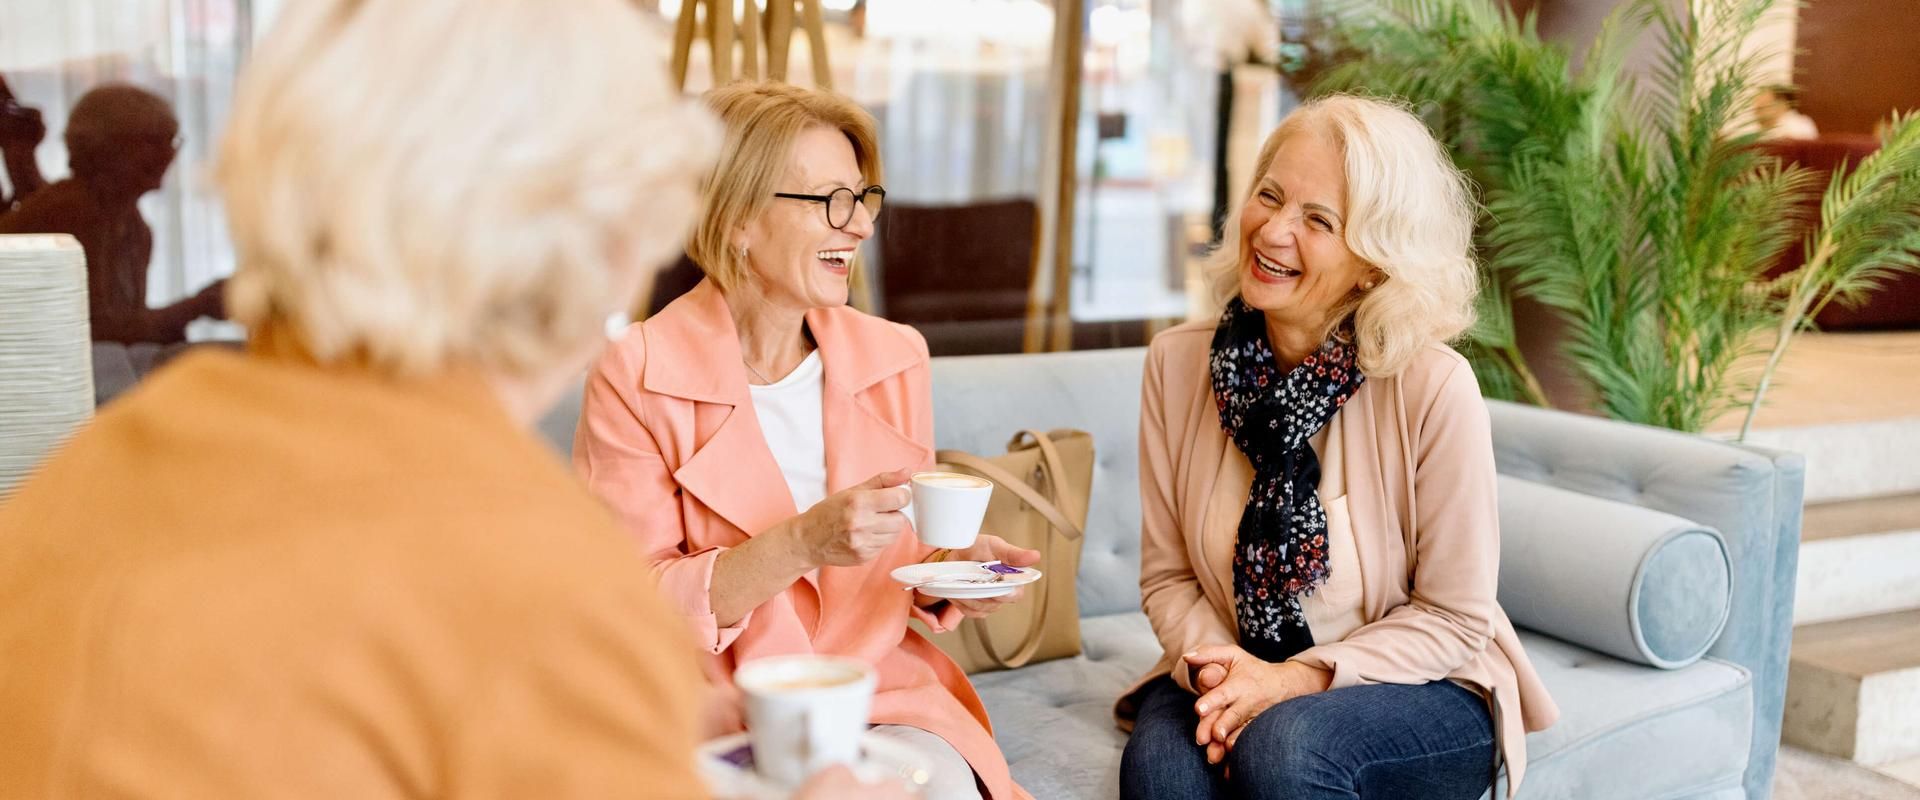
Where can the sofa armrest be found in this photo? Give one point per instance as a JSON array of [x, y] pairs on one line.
[[1750, 495]]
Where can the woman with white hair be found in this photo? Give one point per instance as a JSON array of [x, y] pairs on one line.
[[1320, 542], [341, 564]]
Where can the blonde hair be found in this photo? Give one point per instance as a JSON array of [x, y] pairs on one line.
[[763, 119], [1409, 214], [418, 183]]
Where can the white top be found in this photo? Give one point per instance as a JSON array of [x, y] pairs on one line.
[[1333, 610], [789, 411]]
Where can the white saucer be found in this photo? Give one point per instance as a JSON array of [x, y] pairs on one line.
[[726, 764], [961, 590]]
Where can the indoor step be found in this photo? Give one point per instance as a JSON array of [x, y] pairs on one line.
[[1858, 558], [1849, 460], [1853, 689], [1850, 403]]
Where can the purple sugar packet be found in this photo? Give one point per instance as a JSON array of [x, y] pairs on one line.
[[741, 756], [999, 568]]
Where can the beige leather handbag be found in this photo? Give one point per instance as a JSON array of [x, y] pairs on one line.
[[1039, 501]]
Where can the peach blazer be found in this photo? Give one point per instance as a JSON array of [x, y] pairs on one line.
[[669, 438], [1417, 453]]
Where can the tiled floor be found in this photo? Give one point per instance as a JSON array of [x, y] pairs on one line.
[[1805, 775], [1907, 772]]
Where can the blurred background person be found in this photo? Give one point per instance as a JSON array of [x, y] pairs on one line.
[[21, 131], [1776, 109], [120, 141], [359, 574]]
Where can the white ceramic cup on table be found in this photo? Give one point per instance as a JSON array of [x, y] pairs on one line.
[[804, 713], [948, 507]]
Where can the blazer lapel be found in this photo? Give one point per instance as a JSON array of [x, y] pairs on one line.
[[861, 441], [865, 436], [735, 475], [1206, 454], [691, 347]]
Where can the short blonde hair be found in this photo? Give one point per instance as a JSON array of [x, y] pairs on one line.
[[763, 120], [420, 183], [1409, 214]]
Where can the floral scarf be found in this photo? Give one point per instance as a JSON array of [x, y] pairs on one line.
[[1281, 552]]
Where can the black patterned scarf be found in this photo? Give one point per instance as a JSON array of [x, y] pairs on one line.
[[1282, 549]]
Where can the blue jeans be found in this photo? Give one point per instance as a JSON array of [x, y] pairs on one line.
[[1381, 742]]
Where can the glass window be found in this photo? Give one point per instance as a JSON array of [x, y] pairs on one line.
[[187, 52]]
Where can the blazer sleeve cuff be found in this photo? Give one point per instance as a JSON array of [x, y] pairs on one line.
[[1345, 673], [688, 582]]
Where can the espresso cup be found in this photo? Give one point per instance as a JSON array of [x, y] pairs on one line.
[[804, 713], [948, 507]]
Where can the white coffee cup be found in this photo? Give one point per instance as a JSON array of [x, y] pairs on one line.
[[948, 507], [804, 713]]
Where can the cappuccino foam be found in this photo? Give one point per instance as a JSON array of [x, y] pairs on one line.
[[798, 675], [951, 480]]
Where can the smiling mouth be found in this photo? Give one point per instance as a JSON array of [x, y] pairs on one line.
[[838, 260], [1271, 267]]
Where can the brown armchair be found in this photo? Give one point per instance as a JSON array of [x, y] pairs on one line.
[[1896, 305], [960, 274]]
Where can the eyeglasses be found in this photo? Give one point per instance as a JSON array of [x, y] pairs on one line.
[[841, 201]]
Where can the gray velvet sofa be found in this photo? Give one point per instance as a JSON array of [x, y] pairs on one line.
[[1627, 552]]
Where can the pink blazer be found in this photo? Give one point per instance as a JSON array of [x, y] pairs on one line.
[[1417, 458], [669, 439]]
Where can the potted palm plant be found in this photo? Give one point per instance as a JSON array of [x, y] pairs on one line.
[[1629, 204]]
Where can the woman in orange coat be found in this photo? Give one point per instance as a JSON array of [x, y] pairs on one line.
[[755, 436]]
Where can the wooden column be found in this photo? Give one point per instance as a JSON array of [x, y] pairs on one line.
[[1069, 59], [722, 32], [720, 19], [683, 42], [779, 37], [817, 37], [750, 40]]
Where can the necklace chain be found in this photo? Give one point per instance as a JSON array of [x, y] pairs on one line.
[[756, 373]]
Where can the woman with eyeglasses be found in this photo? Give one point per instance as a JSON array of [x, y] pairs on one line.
[[755, 436]]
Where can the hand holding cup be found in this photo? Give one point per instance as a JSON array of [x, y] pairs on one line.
[[856, 525]]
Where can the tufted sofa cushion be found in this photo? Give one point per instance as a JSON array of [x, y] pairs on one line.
[[1679, 733], [977, 408]]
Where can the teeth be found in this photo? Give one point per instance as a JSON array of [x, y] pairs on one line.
[[841, 256], [1270, 266]]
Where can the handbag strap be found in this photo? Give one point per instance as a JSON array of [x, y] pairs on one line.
[[1018, 486], [1050, 464], [1049, 453]]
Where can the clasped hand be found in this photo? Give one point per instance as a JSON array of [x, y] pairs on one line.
[[1235, 687]]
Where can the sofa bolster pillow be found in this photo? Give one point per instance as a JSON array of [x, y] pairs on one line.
[[1631, 582]]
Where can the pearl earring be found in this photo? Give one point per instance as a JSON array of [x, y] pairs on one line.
[[616, 325]]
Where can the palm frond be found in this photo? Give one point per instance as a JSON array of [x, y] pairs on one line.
[[1869, 231]]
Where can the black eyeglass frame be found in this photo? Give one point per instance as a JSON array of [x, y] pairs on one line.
[[826, 202]]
